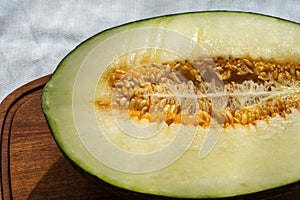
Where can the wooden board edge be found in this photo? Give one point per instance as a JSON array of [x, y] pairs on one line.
[[19, 93]]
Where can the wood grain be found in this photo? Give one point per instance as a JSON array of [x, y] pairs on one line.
[[32, 166]]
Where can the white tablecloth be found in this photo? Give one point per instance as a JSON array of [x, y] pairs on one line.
[[35, 35]]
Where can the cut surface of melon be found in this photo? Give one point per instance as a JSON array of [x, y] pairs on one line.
[[158, 150]]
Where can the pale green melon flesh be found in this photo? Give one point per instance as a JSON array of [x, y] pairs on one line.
[[245, 160]]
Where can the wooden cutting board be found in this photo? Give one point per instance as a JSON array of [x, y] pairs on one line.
[[32, 166]]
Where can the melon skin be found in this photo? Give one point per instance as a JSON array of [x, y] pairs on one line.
[[58, 99]]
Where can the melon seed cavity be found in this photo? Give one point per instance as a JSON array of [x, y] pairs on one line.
[[178, 92]]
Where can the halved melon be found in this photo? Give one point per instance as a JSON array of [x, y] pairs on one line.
[[191, 105]]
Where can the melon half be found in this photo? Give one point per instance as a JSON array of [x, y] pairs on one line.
[[191, 105]]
